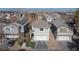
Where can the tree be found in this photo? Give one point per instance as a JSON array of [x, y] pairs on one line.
[[32, 17], [74, 45], [1, 39], [76, 20]]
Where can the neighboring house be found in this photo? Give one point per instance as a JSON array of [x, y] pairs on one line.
[[11, 31], [7, 16], [40, 30], [64, 33], [49, 18], [56, 23], [23, 23], [21, 15]]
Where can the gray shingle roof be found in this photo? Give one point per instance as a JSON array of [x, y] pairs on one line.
[[40, 24], [22, 21], [58, 22]]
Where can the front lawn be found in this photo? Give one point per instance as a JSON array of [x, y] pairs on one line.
[[31, 44]]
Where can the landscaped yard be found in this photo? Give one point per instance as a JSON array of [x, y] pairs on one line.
[[31, 44]]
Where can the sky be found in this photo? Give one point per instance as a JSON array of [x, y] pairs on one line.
[[38, 9]]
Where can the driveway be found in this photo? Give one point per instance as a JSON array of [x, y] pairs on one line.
[[41, 45], [51, 44]]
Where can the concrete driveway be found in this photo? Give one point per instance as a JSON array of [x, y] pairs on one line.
[[41, 45]]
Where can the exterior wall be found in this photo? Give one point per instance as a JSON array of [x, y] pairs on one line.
[[40, 38], [37, 31], [40, 35]]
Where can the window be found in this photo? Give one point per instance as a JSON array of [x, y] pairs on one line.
[[62, 29], [20, 27], [8, 38], [13, 29], [41, 29], [8, 30], [21, 15], [32, 30], [32, 35]]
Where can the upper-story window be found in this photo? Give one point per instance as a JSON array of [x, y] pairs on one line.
[[13, 29], [32, 30], [63, 30], [8, 30]]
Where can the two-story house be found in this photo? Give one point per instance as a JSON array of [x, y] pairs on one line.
[[40, 30], [11, 31], [64, 33]]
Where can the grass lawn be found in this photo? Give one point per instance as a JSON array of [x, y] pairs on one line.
[[31, 44]]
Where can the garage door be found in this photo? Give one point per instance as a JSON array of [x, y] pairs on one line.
[[64, 38], [41, 38]]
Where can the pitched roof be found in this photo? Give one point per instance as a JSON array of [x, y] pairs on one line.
[[40, 24], [12, 25], [58, 22], [22, 21]]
